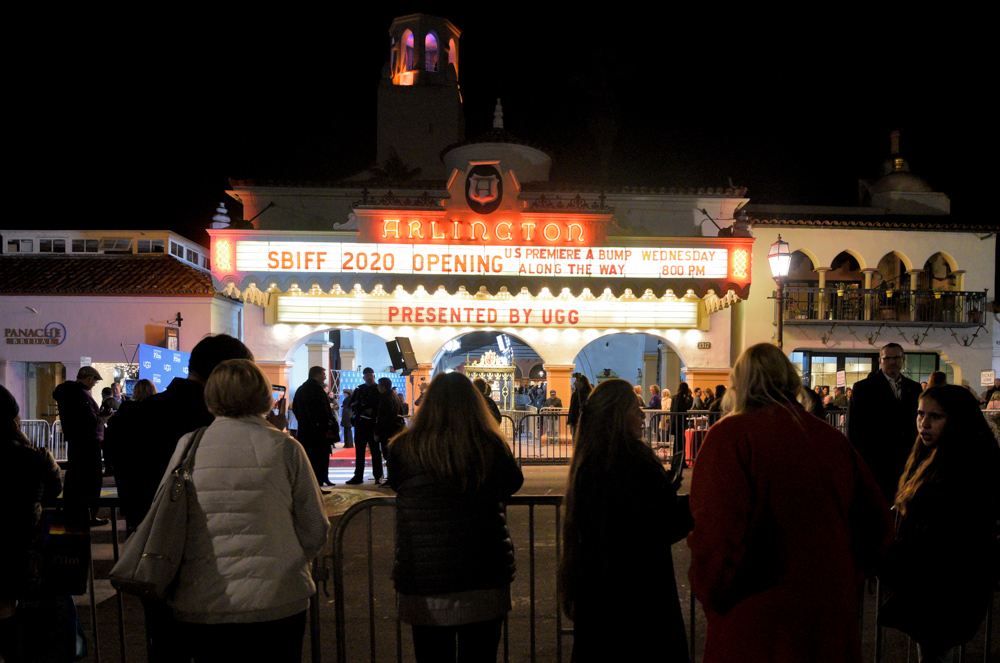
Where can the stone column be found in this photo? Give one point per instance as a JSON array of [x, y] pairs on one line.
[[560, 378], [959, 279], [278, 372], [421, 375], [348, 359], [319, 354], [868, 272], [708, 377], [821, 298], [914, 274]]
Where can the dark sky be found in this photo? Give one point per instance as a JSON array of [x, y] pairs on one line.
[[148, 123]]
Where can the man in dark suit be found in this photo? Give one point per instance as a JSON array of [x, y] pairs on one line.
[[364, 403], [882, 419], [311, 406]]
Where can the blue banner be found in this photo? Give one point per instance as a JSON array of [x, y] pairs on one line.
[[160, 366]]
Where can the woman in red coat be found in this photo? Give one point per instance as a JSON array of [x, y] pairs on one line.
[[787, 517]]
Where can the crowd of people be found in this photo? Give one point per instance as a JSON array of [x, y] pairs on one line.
[[784, 519]]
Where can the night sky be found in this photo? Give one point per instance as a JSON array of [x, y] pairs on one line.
[[145, 126]]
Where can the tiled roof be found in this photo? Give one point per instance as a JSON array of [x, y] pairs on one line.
[[101, 275], [401, 188], [869, 221]]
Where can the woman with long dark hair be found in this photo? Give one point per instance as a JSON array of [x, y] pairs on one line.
[[581, 391], [452, 471], [682, 402], [941, 568], [787, 516], [622, 515]]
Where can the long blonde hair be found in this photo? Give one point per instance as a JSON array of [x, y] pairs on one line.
[[453, 436], [763, 376]]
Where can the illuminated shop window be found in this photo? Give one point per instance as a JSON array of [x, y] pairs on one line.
[[856, 369], [52, 245], [149, 246], [431, 52], [20, 246], [797, 358], [86, 245], [824, 372]]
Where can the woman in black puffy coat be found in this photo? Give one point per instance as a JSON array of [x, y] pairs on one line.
[[452, 470]]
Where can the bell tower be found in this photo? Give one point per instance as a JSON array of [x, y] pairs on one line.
[[419, 102]]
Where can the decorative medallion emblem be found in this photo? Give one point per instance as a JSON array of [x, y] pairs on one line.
[[484, 189]]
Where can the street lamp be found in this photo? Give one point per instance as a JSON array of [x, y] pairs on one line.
[[780, 260]]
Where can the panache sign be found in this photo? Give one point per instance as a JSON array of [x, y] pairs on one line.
[[54, 333]]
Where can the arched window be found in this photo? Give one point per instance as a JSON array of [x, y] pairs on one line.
[[393, 56], [408, 53], [801, 270], [431, 52], [936, 274], [453, 55], [890, 273]]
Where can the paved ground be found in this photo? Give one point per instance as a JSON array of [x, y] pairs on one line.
[[543, 480]]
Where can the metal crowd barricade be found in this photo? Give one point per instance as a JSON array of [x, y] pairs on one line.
[[58, 442], [38, 432], [94, 642], [543, 438], [526, 616], [879, 644], [837, 419]]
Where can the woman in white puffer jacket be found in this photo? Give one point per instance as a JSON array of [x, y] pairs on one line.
[[255, 523]]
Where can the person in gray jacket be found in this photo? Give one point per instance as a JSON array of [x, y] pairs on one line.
[[258, 522]]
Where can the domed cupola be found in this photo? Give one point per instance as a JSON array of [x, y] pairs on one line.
[[896, 175], [899, 191], [529, 163]]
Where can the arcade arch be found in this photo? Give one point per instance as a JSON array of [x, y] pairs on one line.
[[283, 349]]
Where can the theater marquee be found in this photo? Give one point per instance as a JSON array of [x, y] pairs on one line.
[[581, 262]]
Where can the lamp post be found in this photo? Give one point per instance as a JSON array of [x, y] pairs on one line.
[[780, 260]]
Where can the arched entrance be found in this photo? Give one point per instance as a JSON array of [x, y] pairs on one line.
[[509, 364]]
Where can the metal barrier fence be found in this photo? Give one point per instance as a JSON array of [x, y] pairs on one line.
[[545, 631], [539, 622], [38, 432], [536, 612], [94, 641], [543, 438], [48, 436]]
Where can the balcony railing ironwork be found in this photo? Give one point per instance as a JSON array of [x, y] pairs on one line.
[[819, 306]]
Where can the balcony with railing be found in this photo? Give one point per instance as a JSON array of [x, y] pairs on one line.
[[823, 306]]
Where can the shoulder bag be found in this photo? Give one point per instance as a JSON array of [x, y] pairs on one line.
[[151, 557]]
